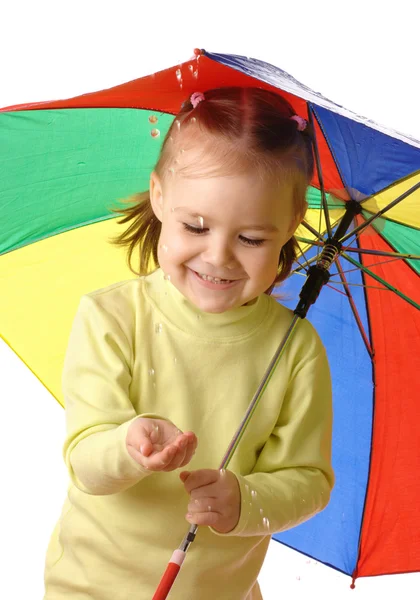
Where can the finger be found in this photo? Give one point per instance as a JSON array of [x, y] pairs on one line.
[[212, 491], [155, 433], [208, 517], [200, 478], [149, 436], [177, 459], [145, 446], [186, 438], [189, 453], [160, 460], [206, 504]]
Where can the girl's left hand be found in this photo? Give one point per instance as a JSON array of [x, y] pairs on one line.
[[215, 498]]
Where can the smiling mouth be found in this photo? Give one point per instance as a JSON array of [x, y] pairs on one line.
[[205, 277]]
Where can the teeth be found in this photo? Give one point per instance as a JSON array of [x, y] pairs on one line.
[[213, 279]]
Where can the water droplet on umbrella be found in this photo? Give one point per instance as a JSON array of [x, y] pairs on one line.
[[254, 494], [261, 511], [167, 277], [155, 133], [191, 68], [175, 360], [266, 522], [158, 328], [151, 372], [298, 577], [178, 75], [153, 119], [198, 317], [195, 74], [247, 487]]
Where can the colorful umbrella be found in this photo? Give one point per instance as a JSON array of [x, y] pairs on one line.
[[67, 162]]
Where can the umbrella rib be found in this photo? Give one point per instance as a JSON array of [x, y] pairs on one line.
[[354, 308], [388, 219], [315, 233], [380, 280], [389, 243], [378, 252], [302, 266], [312, 230], [368, 287], [306, 264], [328, 285], [319, 171], [380, 213], [385, 262]]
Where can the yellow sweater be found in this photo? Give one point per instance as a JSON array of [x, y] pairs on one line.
[[139, 348]]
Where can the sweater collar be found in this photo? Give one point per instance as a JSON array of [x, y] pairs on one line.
[[179, 311]]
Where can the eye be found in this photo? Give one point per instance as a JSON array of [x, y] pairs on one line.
[[195, 230], [250, 242]]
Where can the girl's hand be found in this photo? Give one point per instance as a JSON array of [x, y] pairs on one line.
[[215, 498], [158, 445]]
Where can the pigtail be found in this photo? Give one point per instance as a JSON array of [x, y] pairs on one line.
[[142, 233]]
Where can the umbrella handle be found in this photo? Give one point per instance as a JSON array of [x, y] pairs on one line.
[[170, 575]]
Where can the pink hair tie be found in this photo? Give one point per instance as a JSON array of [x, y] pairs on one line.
[[302, 123], [196, 98]]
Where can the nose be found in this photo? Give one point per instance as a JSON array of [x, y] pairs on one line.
[[218, 253]]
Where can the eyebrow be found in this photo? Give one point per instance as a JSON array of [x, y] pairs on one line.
[[195, 215]]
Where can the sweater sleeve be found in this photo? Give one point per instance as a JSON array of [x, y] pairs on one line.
[[96, 381], [293, 477]]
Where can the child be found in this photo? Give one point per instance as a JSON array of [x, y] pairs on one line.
[[160, 370]]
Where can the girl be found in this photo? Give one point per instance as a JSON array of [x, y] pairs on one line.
[[160, 370]]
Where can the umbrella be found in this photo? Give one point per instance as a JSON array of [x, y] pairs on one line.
[[67, 162]]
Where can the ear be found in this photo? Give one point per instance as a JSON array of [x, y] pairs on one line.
[[156, 195]]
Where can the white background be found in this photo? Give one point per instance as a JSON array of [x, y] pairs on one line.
[[362, 55]]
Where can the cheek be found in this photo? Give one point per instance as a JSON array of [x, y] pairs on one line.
[[173, 247], [264, 266], [266, 259]]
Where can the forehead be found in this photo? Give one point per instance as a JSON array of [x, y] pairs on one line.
[[237, 198], [212, 173]]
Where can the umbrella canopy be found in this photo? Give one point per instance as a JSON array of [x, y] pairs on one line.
[[67, 162]]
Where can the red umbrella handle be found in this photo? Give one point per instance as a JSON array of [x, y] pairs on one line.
[[169, 575]]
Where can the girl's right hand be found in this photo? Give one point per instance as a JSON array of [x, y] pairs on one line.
[[158, 445]]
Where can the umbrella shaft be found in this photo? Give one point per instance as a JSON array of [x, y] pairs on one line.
[[258, 394], [172, 569]]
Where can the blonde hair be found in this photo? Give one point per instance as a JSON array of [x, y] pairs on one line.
[[239, 129]]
